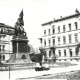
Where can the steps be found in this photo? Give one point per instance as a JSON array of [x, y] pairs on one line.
[[21, 66], [18, 65]]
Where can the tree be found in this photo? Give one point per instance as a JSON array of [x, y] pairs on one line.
[[31, 49]]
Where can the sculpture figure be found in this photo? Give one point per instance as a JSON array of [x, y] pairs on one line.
[[19, 30]]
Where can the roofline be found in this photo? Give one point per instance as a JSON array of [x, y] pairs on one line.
[[61, 19], [50, 22], [7, 26]]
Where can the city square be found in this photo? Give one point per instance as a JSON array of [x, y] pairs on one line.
[[39, 40]]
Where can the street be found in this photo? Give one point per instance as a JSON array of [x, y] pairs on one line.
[[31, 73], [72, 75]]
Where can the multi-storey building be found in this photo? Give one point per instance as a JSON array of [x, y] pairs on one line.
[[6, 35], [61, 37]]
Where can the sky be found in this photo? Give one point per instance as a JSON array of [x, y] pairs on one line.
[[36, 12]]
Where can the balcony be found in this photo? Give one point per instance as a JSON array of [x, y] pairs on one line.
[[52, 47], [41, 48]]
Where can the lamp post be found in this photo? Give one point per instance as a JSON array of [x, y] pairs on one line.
[[9, 63], [9, 67]]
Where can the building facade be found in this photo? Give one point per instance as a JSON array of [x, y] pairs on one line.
[[61, 37], [6, 35]]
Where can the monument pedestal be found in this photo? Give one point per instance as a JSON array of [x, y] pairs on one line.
[[20, 47]]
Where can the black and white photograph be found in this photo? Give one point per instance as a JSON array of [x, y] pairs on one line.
[[39, 40]]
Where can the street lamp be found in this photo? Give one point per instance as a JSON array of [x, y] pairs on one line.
[[9, 63], [9, 67]]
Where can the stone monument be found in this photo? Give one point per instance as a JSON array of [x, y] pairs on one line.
[[20, 40]]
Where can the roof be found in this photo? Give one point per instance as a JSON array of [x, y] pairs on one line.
[[7, 26], [61, 19]]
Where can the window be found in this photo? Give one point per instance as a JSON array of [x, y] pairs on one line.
[[70, 27], [44, 42], [58, 29], [50, 53], [76, 51], [0, 47], [58, 40], [64, 40], [0, 56], [49, 31], [1, 29], [59, 52], [0, 37], [76, 37], [49, 42], [70, 51], [44, 32], [65, 52], [53, 29], [3, 47], [53, 42], [76, 25], [64, 28], [70, 38], [3, 57]]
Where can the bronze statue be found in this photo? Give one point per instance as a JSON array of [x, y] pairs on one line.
[[19, 30]]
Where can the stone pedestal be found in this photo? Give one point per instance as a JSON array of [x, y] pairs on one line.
[[20, 46]]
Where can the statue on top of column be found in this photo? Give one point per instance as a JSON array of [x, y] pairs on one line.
[[19, 30]]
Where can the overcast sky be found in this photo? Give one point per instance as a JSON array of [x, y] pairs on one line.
[[36, 12]]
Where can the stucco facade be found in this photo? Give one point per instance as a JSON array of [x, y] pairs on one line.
[[62, 35], [6, 35]]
